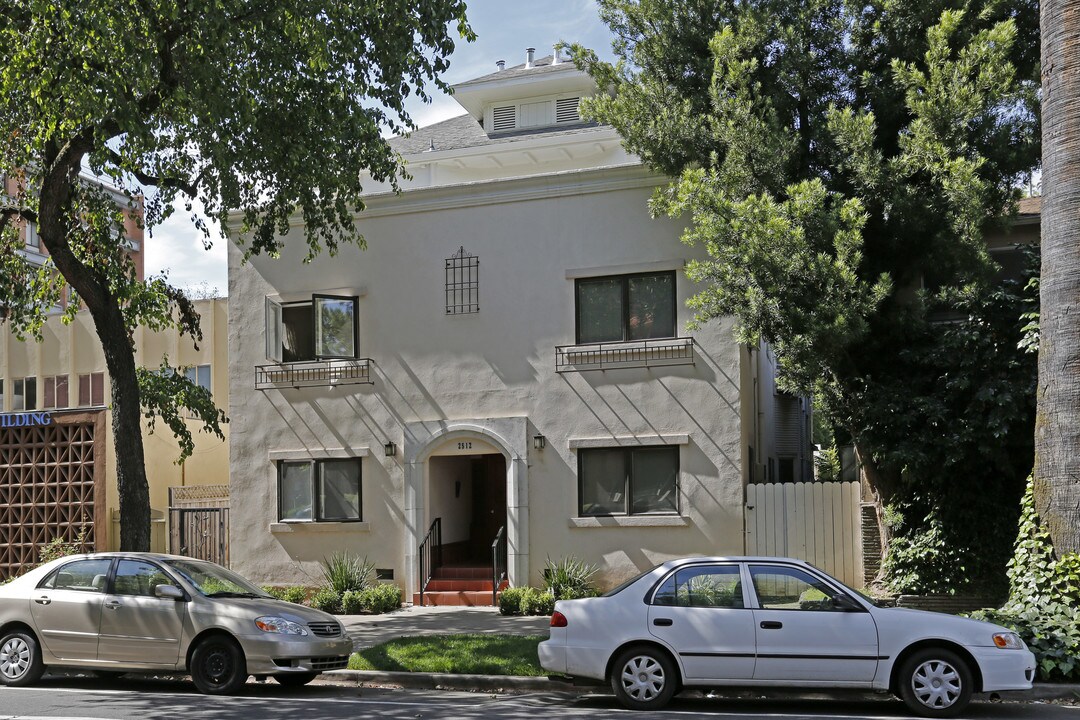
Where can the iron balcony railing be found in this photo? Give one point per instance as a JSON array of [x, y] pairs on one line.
[[498, 564], [634, 354], [314, 373]]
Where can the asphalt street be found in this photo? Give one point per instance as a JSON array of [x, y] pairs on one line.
[[82, 698]]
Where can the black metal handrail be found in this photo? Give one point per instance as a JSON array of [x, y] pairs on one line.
[[633, 354], [430, 555], [314, 373], [498, 563]]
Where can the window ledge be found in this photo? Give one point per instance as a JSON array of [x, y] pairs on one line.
[[633, 354], [634, 521], [281, 528]]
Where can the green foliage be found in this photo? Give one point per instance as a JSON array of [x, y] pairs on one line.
[[537, 602], [59, 547], [827, 465], [291, 593], [343, 571], [327, 599], [510, 600], [381, 598], [1044, 598], [167, 393], [352, 602], [569, 578], [456, 654], [840, 164]]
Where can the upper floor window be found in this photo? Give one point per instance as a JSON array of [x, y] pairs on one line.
[[24, 394], [31, 236], [625, 307], [326, 328], [92, 389], [199, 375], [55, 392], [628, 481]]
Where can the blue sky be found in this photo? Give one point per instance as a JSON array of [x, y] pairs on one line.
[[504, 29]]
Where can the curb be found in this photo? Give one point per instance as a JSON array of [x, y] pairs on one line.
[[1041, 692]]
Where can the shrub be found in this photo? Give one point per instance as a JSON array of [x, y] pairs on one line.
[[344, 572], [352, 602], [510, 600], [327, 599], [1043, 599], [569, 578], [274, 592], [294, 594], [381, 598], [537, 602], [59, 547]]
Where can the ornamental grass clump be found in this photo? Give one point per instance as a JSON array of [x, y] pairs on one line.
[[343, 572], [570, 578]]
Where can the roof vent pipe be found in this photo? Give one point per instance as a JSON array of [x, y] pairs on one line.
[[556, 55], [530, 54], [501, 64]]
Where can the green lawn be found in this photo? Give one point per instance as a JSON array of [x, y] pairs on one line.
[[457, 654]]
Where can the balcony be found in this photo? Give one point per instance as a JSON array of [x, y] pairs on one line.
[[314, 373], [636, 354]]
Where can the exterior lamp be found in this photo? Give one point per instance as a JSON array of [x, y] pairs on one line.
[[539, 441], [390, 449]]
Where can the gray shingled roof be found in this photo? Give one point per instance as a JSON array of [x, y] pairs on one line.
[[540, 66], [464, 131]]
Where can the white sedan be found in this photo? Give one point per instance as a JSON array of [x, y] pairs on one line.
[[775, 622]]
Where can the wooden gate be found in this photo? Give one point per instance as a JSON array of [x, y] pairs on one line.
[[815, 522], [199, 522]]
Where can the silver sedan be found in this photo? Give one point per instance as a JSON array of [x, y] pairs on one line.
[[114, 613]]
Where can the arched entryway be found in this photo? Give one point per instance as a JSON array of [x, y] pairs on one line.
[[466, 501]]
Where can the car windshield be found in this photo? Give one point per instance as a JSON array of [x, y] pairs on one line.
[[215, 581], [619, 588]]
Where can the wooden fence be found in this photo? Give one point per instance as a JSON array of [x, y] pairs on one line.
[[816, 522]]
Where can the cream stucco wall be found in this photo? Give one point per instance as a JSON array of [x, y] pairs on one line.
[[488, 376]]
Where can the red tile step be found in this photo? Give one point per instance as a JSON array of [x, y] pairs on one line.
[[458, 584]]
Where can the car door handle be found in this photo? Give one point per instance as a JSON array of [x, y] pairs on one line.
[[43, 600], [113, 604], [663, 622], [771, 625]]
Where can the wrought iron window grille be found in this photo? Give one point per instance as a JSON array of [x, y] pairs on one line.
[[462, 283]]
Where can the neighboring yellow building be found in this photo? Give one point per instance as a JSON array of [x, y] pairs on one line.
[[57, 459]]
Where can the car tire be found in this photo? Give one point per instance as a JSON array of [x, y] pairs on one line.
[[644, 678], [295, 679], [218, 666], [935, 683], [20, 659]]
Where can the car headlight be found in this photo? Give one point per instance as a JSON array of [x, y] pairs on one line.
[[1008, 641], [275, 624]]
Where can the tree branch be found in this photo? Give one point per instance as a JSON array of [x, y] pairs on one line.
[[188, 188]]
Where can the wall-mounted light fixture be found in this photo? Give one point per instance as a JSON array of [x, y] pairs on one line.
[[539, 441], [390, 449]]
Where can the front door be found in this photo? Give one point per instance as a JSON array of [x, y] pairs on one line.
[[67, 608], [136, 625], [699, 611], [804, 635]]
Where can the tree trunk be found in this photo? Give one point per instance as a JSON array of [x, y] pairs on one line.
[[1057, 424]]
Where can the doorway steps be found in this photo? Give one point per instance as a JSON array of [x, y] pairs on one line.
[[460, 586]]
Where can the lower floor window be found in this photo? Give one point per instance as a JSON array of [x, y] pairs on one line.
[[320, 490], [628, 481]]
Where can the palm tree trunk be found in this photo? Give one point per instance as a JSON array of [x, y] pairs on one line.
[[1057, 424]]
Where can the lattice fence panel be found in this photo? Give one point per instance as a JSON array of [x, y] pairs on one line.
[[46, 490]]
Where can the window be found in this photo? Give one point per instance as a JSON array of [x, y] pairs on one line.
[[92, 390], [199, 375], [31, 236], [326, 328], [86, 575], [714, 586], [462, 283], [626, 307], [56, 392], [628, 481], [320, 490], [24, 394], [1, 394], [138, 578], [784, 588]]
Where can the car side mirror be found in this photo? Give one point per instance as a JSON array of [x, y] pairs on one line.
[[168, 591], [845, 604]]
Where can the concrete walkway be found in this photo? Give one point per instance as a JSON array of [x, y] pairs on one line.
[[369, 630]]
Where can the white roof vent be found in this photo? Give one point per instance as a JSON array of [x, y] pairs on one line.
[[501, 64], [556, 55], [530, 55]]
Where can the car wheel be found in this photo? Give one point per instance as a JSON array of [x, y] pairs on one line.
[[218, 666], [643, 678], [20, 659], [935, 683], [295, 679]]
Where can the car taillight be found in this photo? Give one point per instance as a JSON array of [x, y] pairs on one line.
[[558, 619]]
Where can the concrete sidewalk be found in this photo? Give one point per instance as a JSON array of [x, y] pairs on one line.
[[369, 630]]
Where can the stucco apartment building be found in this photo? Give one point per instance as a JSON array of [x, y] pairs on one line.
[[57, 460], [504, 376]]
